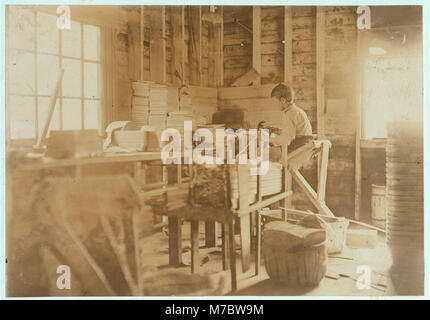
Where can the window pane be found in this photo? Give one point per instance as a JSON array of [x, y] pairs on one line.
[[91, 42], [21, 72], [21, 28], [72, 82], [47, 74], [72, 114], [21, 111], [92, 80], [42, 112], [47, 33], [71, 40], [91, 114]]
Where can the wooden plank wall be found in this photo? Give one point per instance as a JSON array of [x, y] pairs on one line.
[[237, 47], [272, 49], [237, 42], [339, 95], [121, 74]]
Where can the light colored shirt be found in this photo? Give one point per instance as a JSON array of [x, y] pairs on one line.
[[295, 123]]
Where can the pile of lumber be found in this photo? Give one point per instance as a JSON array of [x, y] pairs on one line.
[[140, 103], [152, 102], [163, 99], [271, 182]]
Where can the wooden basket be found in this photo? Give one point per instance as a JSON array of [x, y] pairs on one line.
[[301, 268]]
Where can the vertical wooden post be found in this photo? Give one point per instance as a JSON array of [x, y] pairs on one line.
[[258, 244], [288, 78], [178, 29], [210, 234], [256, 42], [142, 36], [245, 241], [359, 110], [288, 46], [175, 241], [225, 246], [322, 178], [158, 45], [195, 261], [221, 52], [194, 58], [320, 61], [232, 256]]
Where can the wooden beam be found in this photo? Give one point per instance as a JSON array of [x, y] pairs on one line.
[[221, 52], [359, 110], [195, 260], [310, 193], [178, 47], [288, 45], [320, 60], [158, 44], [322, 178], [256, 43], [142, 36], [135, 53], [175, 241], [194, 44]]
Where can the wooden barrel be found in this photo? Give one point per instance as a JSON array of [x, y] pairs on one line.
[[379, 206], [405, 205]]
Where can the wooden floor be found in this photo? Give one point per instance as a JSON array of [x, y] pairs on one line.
[[176, 281]]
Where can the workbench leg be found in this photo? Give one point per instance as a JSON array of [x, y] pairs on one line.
[[210, 234], [175, 241], [232, 257], [245, 242], [225, 246], [195, 262], [258, 243], [252, 229]]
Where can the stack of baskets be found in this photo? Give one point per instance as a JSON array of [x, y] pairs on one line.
[[405, 200]]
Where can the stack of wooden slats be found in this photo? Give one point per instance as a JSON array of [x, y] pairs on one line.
[[271, 182], [175, 120], [140, 103], [163, 99]]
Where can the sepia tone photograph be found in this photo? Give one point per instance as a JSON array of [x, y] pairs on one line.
[[214, 150]]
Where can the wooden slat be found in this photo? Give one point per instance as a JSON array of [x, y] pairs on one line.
[[256, 42], [195, 53], [310, 193], [288, 45], [158, 45], [359, 110], [195, 260], [142, 36], [175, 241], [322, 179], [178, 56]]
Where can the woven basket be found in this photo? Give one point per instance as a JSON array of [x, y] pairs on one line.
[[302, 268]]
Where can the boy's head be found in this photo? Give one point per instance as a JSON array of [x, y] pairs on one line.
[[283, 96]]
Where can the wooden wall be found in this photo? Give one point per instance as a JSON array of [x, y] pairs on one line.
[[237, 42], [341, 69], [200, 56], [339, 78]]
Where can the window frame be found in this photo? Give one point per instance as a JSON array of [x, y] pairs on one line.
[[60, 56]]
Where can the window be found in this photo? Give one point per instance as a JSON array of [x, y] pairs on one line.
[[36, 50], [393, 92], [392, 78]]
